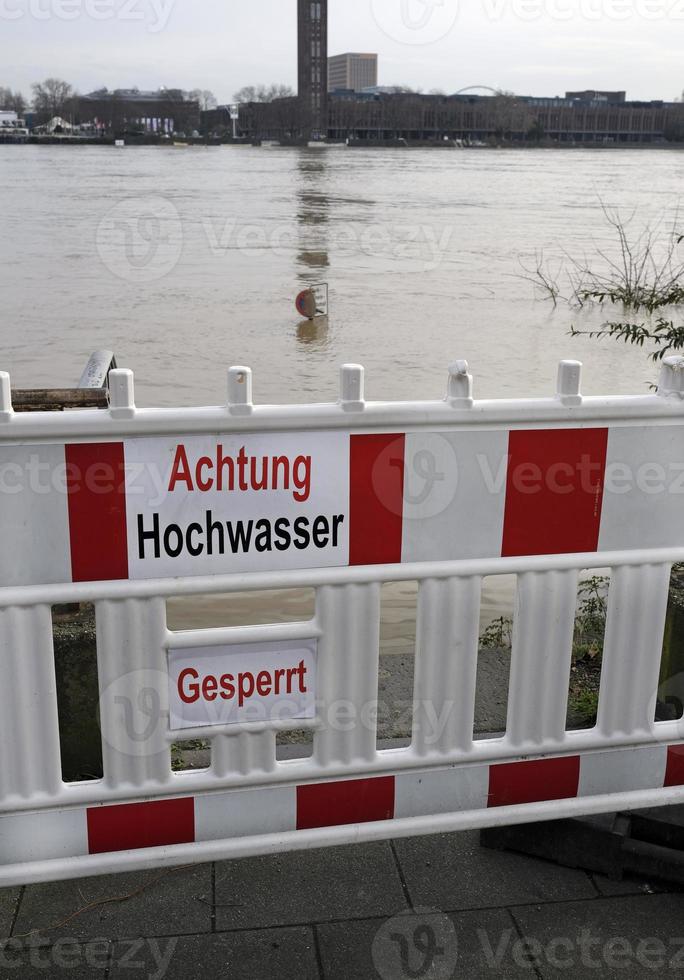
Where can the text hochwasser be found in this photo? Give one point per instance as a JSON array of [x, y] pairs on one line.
[[214, 537]]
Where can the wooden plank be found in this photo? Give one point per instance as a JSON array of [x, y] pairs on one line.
[[58, 399]]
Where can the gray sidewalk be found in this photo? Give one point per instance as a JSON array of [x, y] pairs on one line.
[[323, 915]]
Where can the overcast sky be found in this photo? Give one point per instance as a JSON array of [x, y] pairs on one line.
[[540, 47]]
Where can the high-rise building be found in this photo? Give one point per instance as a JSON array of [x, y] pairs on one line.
[[313, 64], [352, 71]]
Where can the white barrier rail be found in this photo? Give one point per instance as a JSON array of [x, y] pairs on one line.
[[130, 507]]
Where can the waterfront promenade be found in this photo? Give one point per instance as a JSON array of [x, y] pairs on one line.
[[330, 915]]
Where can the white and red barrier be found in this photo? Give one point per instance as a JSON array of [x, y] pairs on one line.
[[215, 505], [130, 507], [481, 795]]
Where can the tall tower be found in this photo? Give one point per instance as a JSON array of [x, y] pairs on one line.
[[313, 67]]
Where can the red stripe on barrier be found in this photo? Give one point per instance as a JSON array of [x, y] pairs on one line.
[[134, 825], [96, 485], [376, 499], [351, 801], [674, 772], [554, 492], [533, 782]]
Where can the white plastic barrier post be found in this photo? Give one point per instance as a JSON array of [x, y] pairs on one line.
[[5, 397], [240, 391], [569, 382], [121, 394], [352, 387], [672, 377]]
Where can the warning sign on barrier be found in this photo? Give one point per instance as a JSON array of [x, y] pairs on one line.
[[253, 682], [205, 504]]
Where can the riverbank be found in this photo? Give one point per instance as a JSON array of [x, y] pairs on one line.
[[372, 144], [127, 140]]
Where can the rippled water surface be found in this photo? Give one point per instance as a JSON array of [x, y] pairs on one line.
[[185, 261]]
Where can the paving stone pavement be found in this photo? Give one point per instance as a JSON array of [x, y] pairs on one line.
[[433, 907]]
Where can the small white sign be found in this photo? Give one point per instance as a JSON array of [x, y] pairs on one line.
[[241, 683]]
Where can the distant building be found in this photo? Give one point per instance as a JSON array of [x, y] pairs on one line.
[[124, 110], [352, 72], [220, 121], [592, 97], [312, 67], [339, 99], [12, 128], [416, 118], [381, 90]]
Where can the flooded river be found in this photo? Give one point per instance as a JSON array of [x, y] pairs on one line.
[[187, 260]]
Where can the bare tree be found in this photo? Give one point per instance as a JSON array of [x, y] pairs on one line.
[[247, 93], [13, 101], [279, 92], [263, 93], [52, 98], [510, 115], [205, 98]]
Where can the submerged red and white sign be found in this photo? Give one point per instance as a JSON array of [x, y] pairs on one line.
[[232, 685]]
